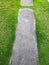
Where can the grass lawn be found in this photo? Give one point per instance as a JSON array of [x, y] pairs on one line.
[[42, 26], [8, 21]]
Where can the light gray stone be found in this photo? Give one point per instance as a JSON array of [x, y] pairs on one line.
[[25, 46], [26, 2]]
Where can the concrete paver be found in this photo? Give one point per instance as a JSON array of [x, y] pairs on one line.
[[25, 50], [27, 2]]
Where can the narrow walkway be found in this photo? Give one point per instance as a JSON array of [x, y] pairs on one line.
[[25, 47]]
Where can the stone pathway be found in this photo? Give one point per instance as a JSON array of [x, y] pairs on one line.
[[25, 50], [27, 2]]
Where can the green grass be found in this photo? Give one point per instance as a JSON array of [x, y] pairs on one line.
[[8, 22], [42, 25]]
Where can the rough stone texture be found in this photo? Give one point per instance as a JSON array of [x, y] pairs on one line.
[[27, 2], [25, 48]]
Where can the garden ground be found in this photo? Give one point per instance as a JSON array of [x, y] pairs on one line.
[[8, 22]]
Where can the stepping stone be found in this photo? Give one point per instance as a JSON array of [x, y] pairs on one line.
[[25, 46], [26, 2]]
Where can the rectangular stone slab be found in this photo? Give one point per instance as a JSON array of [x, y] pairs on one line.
[[26, 2], [25, 46]]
